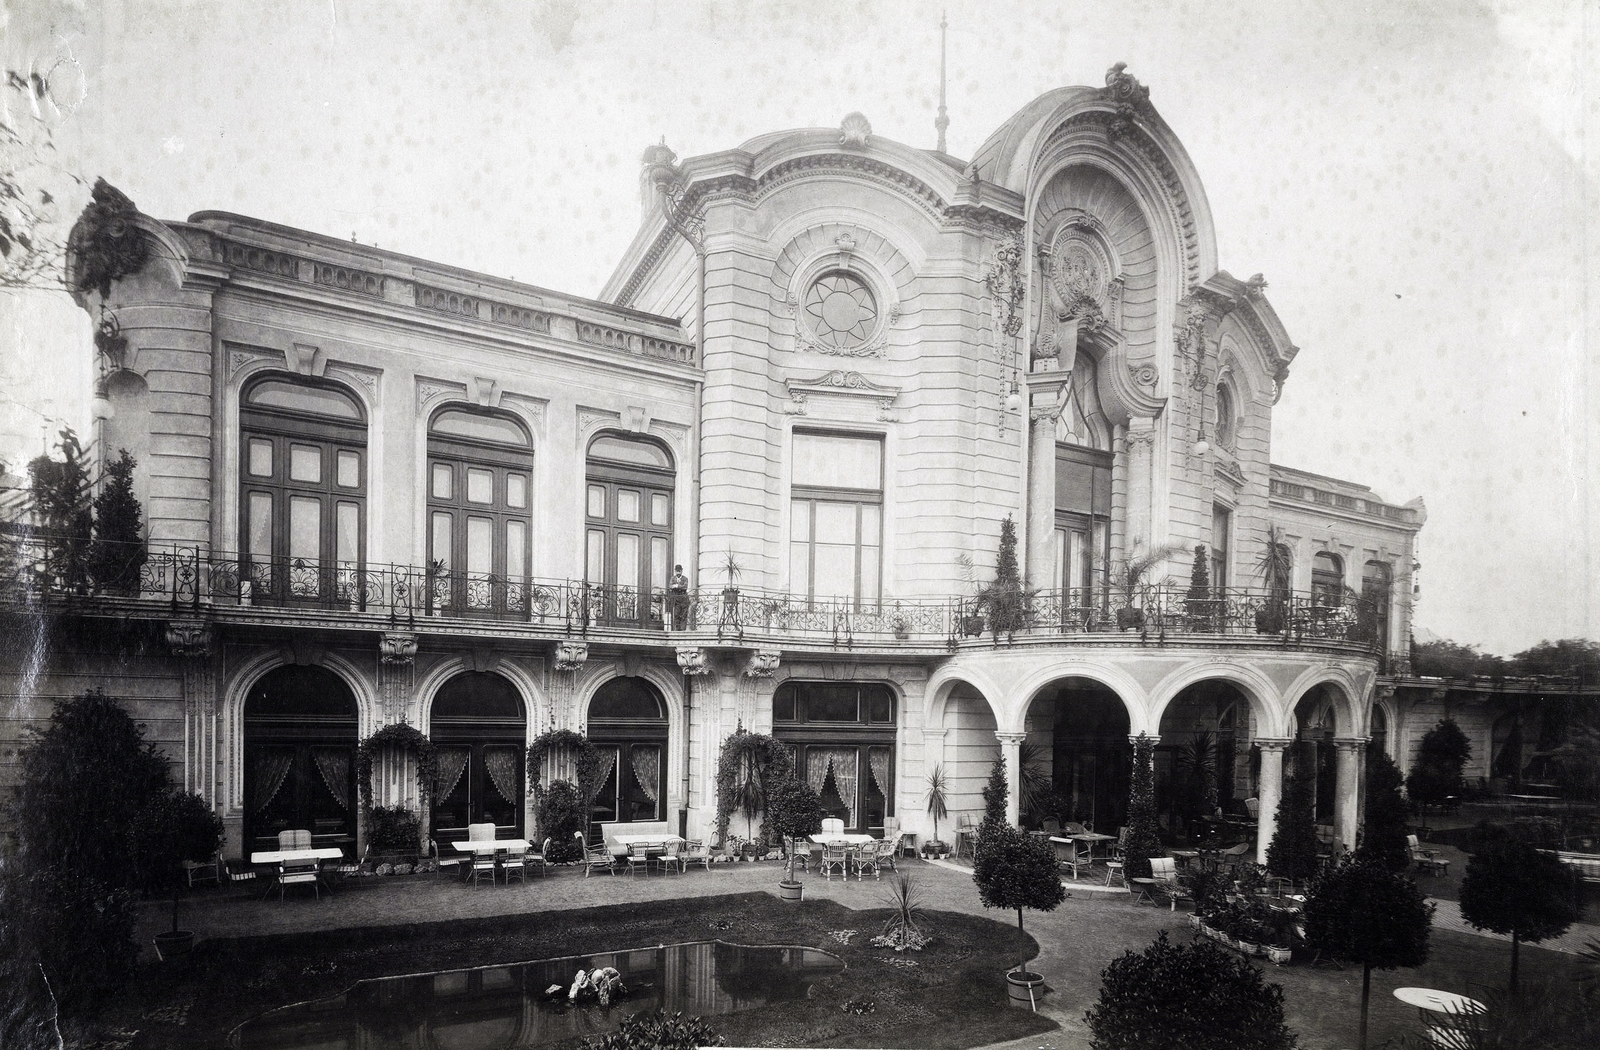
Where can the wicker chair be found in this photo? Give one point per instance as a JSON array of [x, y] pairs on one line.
[[594, 856], [695, 852], [835, 858], [1169, 883]]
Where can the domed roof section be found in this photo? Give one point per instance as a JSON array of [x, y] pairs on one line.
[[997, 158]]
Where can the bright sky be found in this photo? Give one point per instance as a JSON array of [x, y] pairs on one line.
[[1411, 177]]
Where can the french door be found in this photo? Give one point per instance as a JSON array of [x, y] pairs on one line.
[[627, 549]]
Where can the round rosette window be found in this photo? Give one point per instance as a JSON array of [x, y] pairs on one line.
[[841, 310]]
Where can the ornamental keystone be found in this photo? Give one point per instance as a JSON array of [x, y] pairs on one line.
[[397, 648], [189, 638], [569, 656]]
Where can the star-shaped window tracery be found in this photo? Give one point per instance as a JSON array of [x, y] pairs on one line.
[[841, 310]]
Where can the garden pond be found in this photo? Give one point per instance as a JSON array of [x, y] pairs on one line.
[[496, 1007]]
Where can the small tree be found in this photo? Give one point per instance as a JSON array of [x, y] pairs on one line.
[[85, 779], [994, 805], [58, 498], [1384, 839], [793, 812], [1512, 888], [1363, 913], [1199, 575], [1190, 995], [1007, 598], [1436, 774], [118, 551], [1015, 870], [1292, 852], [174, 827], [562, 818], [1144, 834], [657, 1031]]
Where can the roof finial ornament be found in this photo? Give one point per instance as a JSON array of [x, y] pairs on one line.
[[943, 120], [854, 130]]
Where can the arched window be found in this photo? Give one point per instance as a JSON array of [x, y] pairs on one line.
[[299, 759], [628, 722], [628, 529], [1082, 421], [303, 491], [1327, 579], [480, 726], [1380, 731], [480, 470], [843, 736], [1224, 430]]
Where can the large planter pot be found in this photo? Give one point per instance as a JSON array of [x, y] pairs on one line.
[[1249, 948], [174, 944], [1024, 986], [1128, 618], [1194, 922], [790, 891], [1279, 955], [1270, 619]]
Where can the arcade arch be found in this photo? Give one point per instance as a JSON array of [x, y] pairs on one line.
[[479, 723], [300, 736]]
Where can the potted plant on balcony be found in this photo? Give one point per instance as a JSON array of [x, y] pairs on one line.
[[1015, 870], [174, 827], [1006, 602], [1129, 577], [794, 813], [1275, 565], [1203, 609]]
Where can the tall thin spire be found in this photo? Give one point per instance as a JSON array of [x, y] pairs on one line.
[[943, 120]]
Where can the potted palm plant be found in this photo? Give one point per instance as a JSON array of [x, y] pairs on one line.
[[173, 828], [1129, 578], [938, 809], [1275, 565]]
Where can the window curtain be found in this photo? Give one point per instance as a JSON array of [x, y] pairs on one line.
[[501, 765], [878, 766], [846, 772], [608, 761], [452, 763], [817, 761], [334, 765], [272, 769], [647, 769]]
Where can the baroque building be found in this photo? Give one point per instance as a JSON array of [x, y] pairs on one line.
[[823, 375]]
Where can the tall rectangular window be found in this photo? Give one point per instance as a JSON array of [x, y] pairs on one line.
[[836, 516], [1221, 526]]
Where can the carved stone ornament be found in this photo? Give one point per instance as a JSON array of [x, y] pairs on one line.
[[694, 661], [1130, 97], [854, 130], [569, 656], [1143, 375], [189, 638], [397, 648], [1256, 287], [762, 663]]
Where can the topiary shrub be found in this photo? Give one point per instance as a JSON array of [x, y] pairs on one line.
[[793, 812], [176, 826], [1016, 870], [1144, 836], [1292, 853], [1384, 835], [117, 552], [1367, 914], [1194, 995], [561, 817], [1512, 888], [1436, 773]]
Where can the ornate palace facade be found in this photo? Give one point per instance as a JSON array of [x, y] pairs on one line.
[[828, 368]]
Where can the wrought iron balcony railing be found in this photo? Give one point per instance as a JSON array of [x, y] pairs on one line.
[[184, 578]]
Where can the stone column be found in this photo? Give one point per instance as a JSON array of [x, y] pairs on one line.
[[1010, 751], [1269, 793], [1045, 406], [1346, 792]]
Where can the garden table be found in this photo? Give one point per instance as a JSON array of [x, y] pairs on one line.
[[477, 846], [853, 840], [279, 856], [1439, 1010], [628, 840]]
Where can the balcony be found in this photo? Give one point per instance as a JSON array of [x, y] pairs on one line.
[[181, 579]]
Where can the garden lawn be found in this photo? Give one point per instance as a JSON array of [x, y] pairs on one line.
[[954, 996]]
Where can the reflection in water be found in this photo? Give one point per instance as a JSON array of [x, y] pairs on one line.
[[505, 1006]]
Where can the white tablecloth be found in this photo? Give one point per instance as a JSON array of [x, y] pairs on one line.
[[492, 846], [278, 856], [852, 840]]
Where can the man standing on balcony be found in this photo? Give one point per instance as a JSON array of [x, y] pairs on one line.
[[678, 598]]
